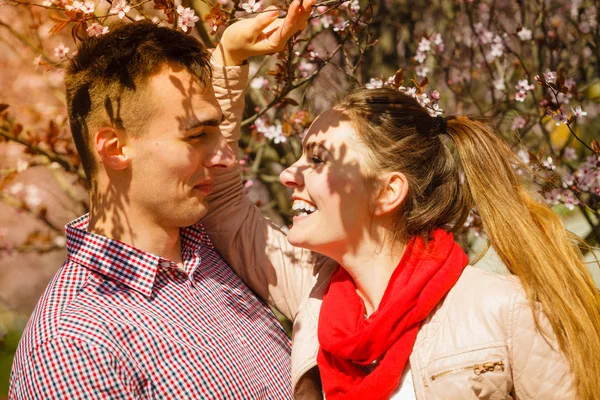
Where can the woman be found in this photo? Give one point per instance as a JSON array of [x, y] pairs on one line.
[[392, 311]]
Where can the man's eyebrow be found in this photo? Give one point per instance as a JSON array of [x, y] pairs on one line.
[[194, 123]]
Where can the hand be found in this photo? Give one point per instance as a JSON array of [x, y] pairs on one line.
[[264, 34]]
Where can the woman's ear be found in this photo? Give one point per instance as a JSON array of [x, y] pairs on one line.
[[393, 191], [110, 146]]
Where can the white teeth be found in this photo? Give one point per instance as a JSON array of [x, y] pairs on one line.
[[303, 207]]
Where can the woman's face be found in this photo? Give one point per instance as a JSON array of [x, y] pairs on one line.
[[331, 197]]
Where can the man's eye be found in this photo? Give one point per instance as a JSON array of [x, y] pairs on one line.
[[197, 136]]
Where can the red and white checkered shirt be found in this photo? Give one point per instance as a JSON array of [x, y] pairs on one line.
[[120, 323]]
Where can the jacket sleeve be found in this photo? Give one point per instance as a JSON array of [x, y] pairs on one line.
[[540, 370], [256, 249]]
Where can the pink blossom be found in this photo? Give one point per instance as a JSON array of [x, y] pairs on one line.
[[37, 61], [120, 7], [438, 43], [499, 84], [424, 45], [435, 95], [60, 241], [423, 99], [374, 83], [568, 180], [97, 30], [561, 97], [497, 49], [520, 96], [259, 83], [523, 155], [560, 117], [271, 132], [187, 18], [422, 71], [353, 6], [553, 196], [340, 25], [87, 8], [61, 51], [578, 112], [29, 194], [524, 85], [305, 67], [519, 123], [548, 163], [22, 165], [570, 202], [326, 21], [435, 110], [484, 36], [550, 76], [524, 34], [251, 6], [570, 154], [420, 57], [412, 92]]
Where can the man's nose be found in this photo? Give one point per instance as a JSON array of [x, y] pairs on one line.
[[222, 156]]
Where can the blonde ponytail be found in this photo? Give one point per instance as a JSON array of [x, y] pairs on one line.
[[533, 243]]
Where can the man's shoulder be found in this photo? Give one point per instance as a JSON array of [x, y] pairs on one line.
[[70, 308]]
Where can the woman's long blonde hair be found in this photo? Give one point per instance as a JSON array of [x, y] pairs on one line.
[[528, 236]]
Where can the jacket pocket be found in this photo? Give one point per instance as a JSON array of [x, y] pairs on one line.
[[462, 378], [477, 369]]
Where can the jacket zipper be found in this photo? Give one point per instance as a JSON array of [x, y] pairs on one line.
[[478, 369]]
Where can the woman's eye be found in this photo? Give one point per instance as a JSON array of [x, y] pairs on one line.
[[315, 160]]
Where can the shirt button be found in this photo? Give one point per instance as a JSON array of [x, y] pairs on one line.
[[165, 264]]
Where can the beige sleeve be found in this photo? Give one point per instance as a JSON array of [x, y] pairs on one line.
[[255, 248], [540, 370]]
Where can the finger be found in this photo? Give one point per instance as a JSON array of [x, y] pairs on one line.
[[297, 17], [264, 19]]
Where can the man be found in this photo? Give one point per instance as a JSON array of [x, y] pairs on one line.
[[144, 307]]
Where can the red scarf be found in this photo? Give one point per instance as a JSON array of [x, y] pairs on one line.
[[349, 342]]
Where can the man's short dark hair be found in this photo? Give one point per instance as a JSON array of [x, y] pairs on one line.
[[106, 80]]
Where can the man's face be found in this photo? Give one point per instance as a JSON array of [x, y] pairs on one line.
[[173, 160]]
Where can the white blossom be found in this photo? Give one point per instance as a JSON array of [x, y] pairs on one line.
[[525, 34], [187, 18]]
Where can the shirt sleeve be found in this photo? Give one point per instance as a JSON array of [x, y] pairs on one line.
[[69, 369]]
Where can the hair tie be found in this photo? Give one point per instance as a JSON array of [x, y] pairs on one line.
[[443, 124]]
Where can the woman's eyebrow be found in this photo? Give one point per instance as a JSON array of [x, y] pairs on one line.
[[312, 146]]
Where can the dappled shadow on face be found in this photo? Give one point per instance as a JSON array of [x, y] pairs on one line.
[[109, 202], [348, 176]]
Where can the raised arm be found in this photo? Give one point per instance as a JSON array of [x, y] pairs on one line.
[[255, 248]]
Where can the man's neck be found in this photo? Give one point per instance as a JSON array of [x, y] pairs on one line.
[[135, 228]]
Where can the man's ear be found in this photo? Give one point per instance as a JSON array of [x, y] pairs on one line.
[[393, 192], [109, 144]]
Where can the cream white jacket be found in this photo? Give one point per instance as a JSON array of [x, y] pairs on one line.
[[479, 343]]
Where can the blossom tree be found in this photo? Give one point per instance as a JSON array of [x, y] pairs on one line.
[[531, 67]]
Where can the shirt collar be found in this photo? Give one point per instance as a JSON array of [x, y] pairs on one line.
[[124, 263]]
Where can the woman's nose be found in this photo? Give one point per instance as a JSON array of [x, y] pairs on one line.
[[291, 177]]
